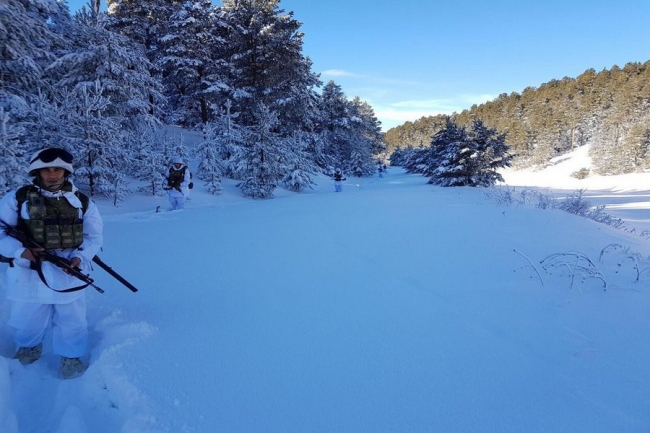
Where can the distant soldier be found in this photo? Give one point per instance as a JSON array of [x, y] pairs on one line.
[[338, 180], [178, 183]]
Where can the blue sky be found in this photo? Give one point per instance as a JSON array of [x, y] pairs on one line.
[[416, 58]]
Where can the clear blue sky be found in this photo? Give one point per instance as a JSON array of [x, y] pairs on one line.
[[414, 58]]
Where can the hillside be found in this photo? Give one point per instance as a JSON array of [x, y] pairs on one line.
[[607, 110]]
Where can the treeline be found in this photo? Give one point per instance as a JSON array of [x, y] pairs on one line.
[[103, 85], [610, 110], [458, 156]]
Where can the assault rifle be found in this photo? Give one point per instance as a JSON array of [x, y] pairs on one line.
[[61, 262]]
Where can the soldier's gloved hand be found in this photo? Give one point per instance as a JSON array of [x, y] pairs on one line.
[[31, 254], [75, 262]]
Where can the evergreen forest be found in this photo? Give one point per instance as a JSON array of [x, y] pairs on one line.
[[104, 84], [610, 110]]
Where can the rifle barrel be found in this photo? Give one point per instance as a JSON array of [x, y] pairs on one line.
[[114, 274]]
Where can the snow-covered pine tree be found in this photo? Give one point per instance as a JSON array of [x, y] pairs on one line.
[[210, 168], [12, 154], [94, 139], [492, 153], [461, 158], [317, 148], [44, 123], [190, 63], [417, 161], [369, 125], [229, 139], [120, 188], [360, 163], [179, 148], [27, 37], [336, 119], [261, 164], [266, 65], [449, 157], [150, 164], [365, 138], [26, 41], [142, 21], [117, 63], [398, 157], [301, 175]]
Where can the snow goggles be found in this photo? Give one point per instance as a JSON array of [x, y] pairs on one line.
[[49, 155]]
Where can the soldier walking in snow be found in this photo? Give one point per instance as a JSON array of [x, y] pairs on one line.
[[338, 180], [178, 183], [53, 214]]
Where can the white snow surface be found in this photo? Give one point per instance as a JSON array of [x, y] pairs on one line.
[[394, 306]]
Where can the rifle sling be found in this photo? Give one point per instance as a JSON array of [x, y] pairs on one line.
[[39, 270]]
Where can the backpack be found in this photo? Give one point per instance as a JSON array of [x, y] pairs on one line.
[[177, 176]]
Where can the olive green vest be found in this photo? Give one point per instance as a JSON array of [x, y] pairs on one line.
[[176, 177], [53, 222]]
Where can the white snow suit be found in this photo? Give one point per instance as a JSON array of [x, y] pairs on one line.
[[176, 197], [34, 305]]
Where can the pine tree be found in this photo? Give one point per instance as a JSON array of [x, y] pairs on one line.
[[449, 157], [266, 65], [12, 154], [229, 139], [94, 139], [149, 167], [461, 158], [211, 165], [365, 137], [118, 64], [142, 21], [190, 62], [45, 123], [336, 119], [492, 154], [26, 47], [119, 188], [301, 176], [261, 166], [179, 148]]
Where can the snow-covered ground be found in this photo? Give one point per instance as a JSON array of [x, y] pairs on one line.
[[393, 306], [625, 196]]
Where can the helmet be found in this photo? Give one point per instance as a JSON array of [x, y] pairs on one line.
[[177, 160], [338, 170], [51, 157]]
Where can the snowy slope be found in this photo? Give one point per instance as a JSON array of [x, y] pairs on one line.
[[394, 306]]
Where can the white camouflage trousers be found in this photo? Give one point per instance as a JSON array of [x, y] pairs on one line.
[[69, 326]]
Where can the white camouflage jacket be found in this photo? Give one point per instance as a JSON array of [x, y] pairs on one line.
[[24, 283]]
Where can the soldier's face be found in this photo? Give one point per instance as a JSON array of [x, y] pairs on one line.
[[177, 165], [52, 176]]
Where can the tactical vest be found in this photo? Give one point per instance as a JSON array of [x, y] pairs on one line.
[[53, 222], [176, 177]]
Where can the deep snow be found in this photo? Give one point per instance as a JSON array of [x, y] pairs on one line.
[[393, 306]]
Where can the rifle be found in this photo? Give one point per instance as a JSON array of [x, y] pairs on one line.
[[62, 262], [114, 274]]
